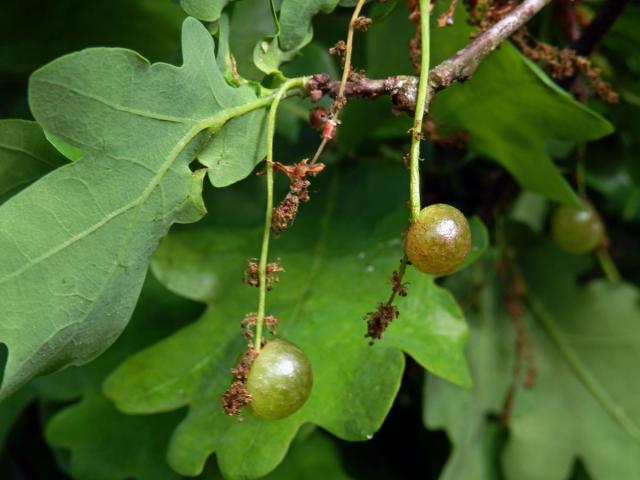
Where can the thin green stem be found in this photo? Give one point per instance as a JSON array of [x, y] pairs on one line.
[[608, 266], [615, 411], [215, 122], [416, 137], [602, 253], [423, 89], [274, 15], [266, 235], [580, 171], [340, 99]]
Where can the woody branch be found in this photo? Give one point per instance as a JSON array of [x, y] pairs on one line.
[[459, 67]]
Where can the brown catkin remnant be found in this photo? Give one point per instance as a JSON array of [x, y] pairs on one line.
[[361, 24], [379, 320], [252, 276], [248, 324], [237, 396], [272, 323], [564, 63], [397, 287], [340, 49], [285, 212]]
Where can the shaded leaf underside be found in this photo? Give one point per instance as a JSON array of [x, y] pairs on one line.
[[25, 156], [76, 245]]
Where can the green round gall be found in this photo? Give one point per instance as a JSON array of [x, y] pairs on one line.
[[438, 240], [576, 230], [280, 380]]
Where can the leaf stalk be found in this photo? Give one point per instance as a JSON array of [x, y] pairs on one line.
[[421, 102], [266, 234]]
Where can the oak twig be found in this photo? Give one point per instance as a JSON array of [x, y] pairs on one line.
[[340, 99], [465, 62], [403, 89], [599, 26]]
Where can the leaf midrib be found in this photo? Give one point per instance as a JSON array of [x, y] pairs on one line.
[[581, 371], [215, 121]]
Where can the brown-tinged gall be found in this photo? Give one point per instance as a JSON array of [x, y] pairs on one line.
[[438, 240]]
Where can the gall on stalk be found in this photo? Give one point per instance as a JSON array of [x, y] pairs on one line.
[[439, 238], [273, 379]]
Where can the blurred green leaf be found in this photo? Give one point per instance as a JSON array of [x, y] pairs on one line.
[[251, 22], [479, 242], [530, 209], [465, 413], [395, 58], [559, 419], [510, 109], [207, 10], [624, 38], [4, 353], [108, 445], [25, 156], [295, 20], [598, 324], [320, 301], [313, 58]]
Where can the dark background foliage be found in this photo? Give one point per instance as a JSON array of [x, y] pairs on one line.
[[42, 437]]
